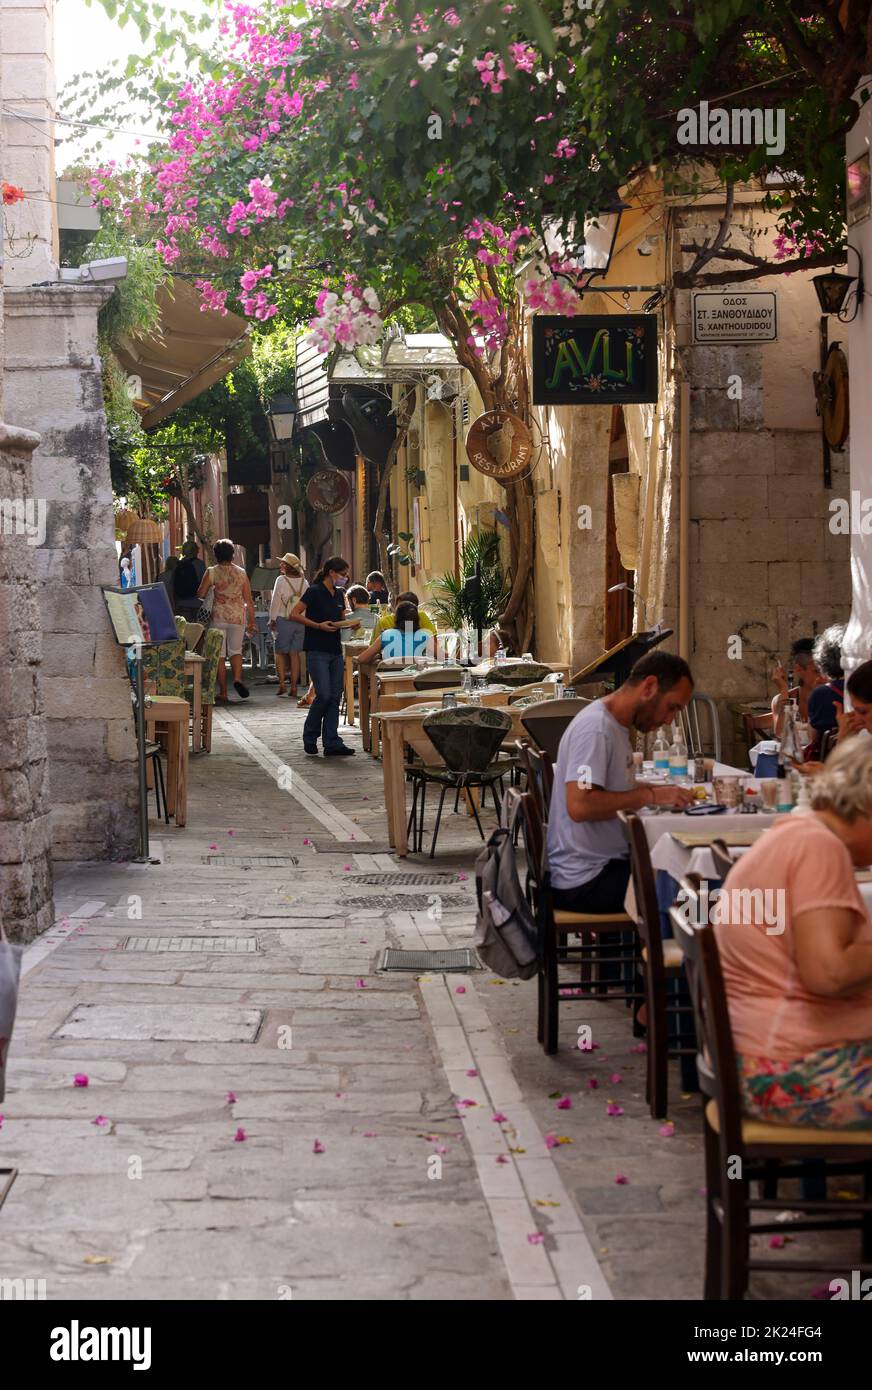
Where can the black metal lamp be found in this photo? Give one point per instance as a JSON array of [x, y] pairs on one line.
[[832, 290], [281, 414], [600, 238]]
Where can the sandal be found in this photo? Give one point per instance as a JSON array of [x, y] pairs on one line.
[[281, 690]]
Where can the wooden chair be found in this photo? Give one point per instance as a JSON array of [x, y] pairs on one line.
[[547, 722], [468, 740], [663, 966], [540, 778], [723, 860], [556, 925], [828, 743], [740, 1150]]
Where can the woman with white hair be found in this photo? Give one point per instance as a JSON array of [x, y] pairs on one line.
[[799, 978]]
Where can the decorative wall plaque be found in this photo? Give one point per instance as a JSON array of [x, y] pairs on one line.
[[499, 445]]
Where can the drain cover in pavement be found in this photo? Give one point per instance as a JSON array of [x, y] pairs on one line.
[[231, 944], [162, 1023], [404, 880], [403, 902], [250, 861], [427, 962]]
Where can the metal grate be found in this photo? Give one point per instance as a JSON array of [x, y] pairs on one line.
[[233, 945], [404, 880], [404, 902], [250, 861], [427, 962]]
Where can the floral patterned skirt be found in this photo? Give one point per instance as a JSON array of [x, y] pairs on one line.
[[828, 1089]]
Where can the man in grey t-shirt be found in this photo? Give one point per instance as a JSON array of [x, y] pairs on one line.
[[588, 856]]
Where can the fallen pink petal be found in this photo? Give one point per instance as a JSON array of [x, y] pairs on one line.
[[536, 1238], [499, 1118], [565, 1103], [639, 1047], [621, 1179], [502, 1158], [370, 1134], [551, 1141], [240, 1136], [613, 1109], [100, 1120], [472, 1072], [80, 1079], [616, 1078], [318, 1147], [231, 1097], [361, 984], [667, 1130], [592, 1083], [461, 989], [777, 1242]]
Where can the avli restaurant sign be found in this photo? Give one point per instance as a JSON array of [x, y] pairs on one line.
[[594, 359]]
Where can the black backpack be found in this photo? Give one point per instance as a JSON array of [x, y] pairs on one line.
[[185, 580]]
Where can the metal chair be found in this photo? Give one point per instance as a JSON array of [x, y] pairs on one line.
[[698, 744], [152, 752], [547, 722], [556, 925], [663, 968], [468, 740], [740, 1150]]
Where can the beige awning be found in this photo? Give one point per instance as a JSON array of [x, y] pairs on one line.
[[191, 350]]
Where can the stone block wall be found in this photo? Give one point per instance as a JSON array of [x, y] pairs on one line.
[[25, 864], [53, 382]]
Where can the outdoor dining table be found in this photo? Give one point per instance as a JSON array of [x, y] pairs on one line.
[[407, 727], [194, 668]]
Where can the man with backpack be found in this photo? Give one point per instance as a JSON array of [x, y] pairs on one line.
[[186, 581]]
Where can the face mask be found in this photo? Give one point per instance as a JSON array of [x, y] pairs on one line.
[[340, 583]]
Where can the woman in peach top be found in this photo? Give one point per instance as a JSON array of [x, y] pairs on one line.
[[798, 975]]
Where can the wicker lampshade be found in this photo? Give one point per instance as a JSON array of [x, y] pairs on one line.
[[144, 531], [124, 520]]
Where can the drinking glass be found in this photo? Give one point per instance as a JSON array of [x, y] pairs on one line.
[[769, 793], [727, 791]]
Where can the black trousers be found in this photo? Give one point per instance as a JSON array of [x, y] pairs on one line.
[[605, 893]]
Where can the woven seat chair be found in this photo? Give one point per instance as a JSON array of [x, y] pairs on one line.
[[165, 665], [519, 672], [547, 721], [468, 741], [740, 1150], [438, 677]]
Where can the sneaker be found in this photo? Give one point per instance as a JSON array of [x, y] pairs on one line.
[[241, 690], [311, 749], [343, 751]]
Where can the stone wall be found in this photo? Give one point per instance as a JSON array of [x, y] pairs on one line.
[[53, 382], [28, 85], [25, 865]]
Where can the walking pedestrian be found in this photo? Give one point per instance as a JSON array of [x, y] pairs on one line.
[[187, 579], [321, 609], [232, 603], [287, 592]]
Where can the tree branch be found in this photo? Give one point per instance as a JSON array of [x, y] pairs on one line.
[[683, 280]]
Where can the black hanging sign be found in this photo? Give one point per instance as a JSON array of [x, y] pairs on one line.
[[595, 359]]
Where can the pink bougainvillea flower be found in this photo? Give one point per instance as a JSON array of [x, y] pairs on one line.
[[499, 1118], [361, 984], [613, 1109], [465, 1104], [240, 1136], [346, 868], [592, 1083], [536, 1238], [502, 1158], [621, 1179], [472, 1072], [80, 1079], [565, 1103], [461, 878], [318, 1147], [231, 1098], [616, 1078], [100, 1120], [461, 989], [551, 1141], [777, 1242]]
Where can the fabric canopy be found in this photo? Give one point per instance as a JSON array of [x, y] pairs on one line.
[[190, 350]]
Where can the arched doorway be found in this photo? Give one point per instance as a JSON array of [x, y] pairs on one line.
[[619, 606]]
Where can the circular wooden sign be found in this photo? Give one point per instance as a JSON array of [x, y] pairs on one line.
[[500, 445], [831, 386], [328, 490]]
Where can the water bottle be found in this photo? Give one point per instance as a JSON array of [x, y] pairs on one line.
[[789, 748], [678, 757], [500, 656], [661, 753]]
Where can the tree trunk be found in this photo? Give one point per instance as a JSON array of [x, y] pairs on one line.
[[192, 520]]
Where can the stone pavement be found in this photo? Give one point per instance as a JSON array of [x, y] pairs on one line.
[[234, 990]]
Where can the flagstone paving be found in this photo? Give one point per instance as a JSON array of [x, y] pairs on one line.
[[280, 1120]]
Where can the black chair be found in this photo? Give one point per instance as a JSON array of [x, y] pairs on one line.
[[547, 721], [539, 778], [740, 1150], [152, 751], [556, 925], [468, 740], [663, 967], [723, 860]]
